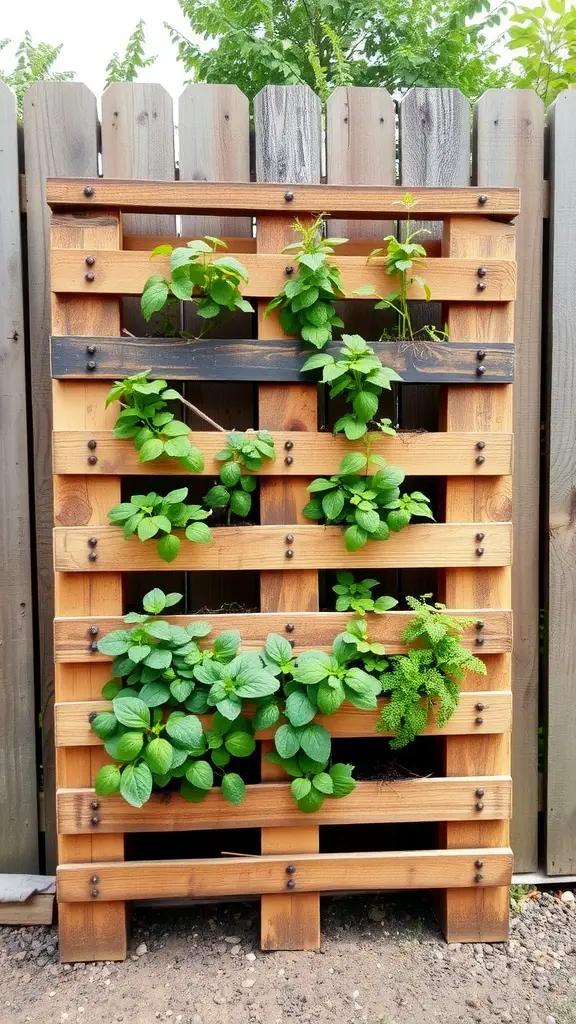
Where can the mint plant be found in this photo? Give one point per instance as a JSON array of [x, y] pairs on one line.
[[235, 489], [357, 596], [213, 285], [371, 506], [151, 516], [146, 419], [306, 303], [313, 781]]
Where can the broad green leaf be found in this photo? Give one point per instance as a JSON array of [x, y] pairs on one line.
[[154, 694], [199, 533], [107, 780], [355, 538], [299, 709], [184, 730], [158, 755], [300, 788], [277, 648], [240, 503], [104, 725], [154, 295], [233, 788], [315, 741], [200, 775], [312, 802], [324, 783], [136, 784], [132, 712], [151, 450], [168, 547], [266, 716], [159, 658], [287, 740], [230, 474], [332, 504], [115, 643], [353, 463], [126, 747], [240, 744]]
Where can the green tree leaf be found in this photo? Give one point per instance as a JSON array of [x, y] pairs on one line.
[[233, 788], [107, 780]]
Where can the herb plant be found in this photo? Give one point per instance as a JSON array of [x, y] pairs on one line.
[[357, 596], [306, 303], [150, 515], [235, 489], [146, 418], [427, 679], [371, 506], [213, 285], [313, 781], [359, 375]]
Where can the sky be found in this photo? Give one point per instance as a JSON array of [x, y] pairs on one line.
[[91, 30]]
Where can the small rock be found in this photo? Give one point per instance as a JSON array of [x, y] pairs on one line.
[[233, 939], [567, 897], [219, 999], [141, 949], [234, 950], [472, 1003], [251, 957], [21, 955], [355, 994], [197, 1019], [375, 914], [248, 982]]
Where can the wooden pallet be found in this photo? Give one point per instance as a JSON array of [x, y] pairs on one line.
[[472, 799]]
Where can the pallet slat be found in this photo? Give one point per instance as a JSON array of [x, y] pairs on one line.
[[241, 199], [438, 545], [271, 803], [264, 361], [314, 872], [419, 454], [482, 712]]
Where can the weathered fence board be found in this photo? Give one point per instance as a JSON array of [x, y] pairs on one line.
[[18, 802]]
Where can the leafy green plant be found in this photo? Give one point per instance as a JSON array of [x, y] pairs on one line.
[[306, 303], [34, 63], [359, 375], [357, 596], [370, 505], [313, 781], [427, 679], [213, 285], [235, 489], [146, 418], [125, 68], [150, 515], [331, 678], [545, 37]]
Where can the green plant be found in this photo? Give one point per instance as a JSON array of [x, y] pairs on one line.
[[306, 303], [34, 63], [146, 419], [426, 679], [359, 375], [357, 596], [150, 515], [546, 36], [126, 68], [370, 505], [313, 781], [234, 491], [213, 285]]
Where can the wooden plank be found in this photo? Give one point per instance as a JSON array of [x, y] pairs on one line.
[[288, 138], [510, 151], [73, 727], [36, 910], [270, 360], [314, 454], [561, 766], [316, 630], [60, 137], [314, 547], [466, 915], [126, 272], [88, 932], [251, 876], [226, 199], [19, 818], [271, 803]]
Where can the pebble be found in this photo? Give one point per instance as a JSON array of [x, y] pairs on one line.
[[233, 939], [248, 982], [251, 957], [141, 949], [375, 914], [234, 950], [567, 897]]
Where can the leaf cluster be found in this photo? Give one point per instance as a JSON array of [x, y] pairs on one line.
[[357, 596], [146, 418], [150, 515], [213, 285], [358, 375], [543, 42], [306, 303], [313, 781], [369, 506], [125, 68], [243, 450]]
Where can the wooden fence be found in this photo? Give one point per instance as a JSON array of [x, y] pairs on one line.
[[357, 139]]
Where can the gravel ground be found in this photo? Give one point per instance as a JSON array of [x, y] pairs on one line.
[[382, 960]]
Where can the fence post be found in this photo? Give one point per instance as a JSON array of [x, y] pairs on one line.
[[18, 800], [561, 767]]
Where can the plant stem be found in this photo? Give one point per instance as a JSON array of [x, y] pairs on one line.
[[202, 415]]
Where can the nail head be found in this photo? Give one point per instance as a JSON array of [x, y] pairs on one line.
[[90, 260], [290, 884], [479, 624], [480, 445], [95, 819], [479, 864], [479, 794], [289, 269], [480, 460], [480, 371], [478, 877], [479, 707], [481, 286], [94, 880], [289, 460], [90, 349], [479, 806], [479, 640], [289, 445], [92, 460], [90, 365], [481, 354], [289, 627], [482, 271], [288, 196], [480, 536], [92, 444], [93, 647], [92, 542], [479, 721], [92, 556], [290, 869], [88, 191], [289, 553], [89, 276], [94, 804], [95, 892], [482, 200], [289, 538]]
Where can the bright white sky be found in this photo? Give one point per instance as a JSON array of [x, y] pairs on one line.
[[91, 30]]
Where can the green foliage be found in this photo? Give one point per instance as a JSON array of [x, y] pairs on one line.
[[393, 43], [358, 375], [34, 63], [370, 505], [125, 68], [306, 303], [150, 515], [427, 679], [213, 285], [313, 781], [546, 37], [357, 596], [235, 489], [145, 418]]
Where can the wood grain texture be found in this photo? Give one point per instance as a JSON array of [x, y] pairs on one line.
[[361, 246], [435, 545], [60, 137], [313, 454], [510, 151], [299, 165], [251, 876], [19, 816], [73, 727], [38, 909], [271, 803], [126, 272], [271, 360], [561, 767], [466, 915], [288, 140]]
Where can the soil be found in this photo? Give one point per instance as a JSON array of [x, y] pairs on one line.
[[382, 960]]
